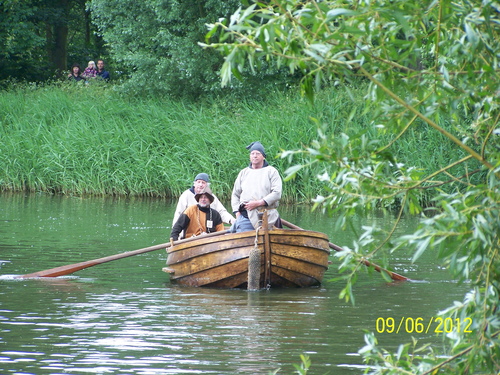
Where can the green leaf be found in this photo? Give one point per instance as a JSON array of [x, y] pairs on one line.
[[471, 34], [335, 13], [292, 171], [212, 30], [307, 88], [422, 246], [386, 276], [402, 21], [248, 11]]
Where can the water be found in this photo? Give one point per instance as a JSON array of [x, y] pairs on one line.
[[125, 317]]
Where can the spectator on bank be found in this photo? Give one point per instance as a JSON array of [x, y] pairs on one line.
[[76, 73], [90, 71], [101, 72]]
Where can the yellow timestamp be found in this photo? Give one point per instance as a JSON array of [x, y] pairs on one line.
[[421, 325]]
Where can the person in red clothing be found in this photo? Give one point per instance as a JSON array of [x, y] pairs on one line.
[[199, 218]]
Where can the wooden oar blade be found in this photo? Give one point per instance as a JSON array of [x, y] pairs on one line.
[[58, 271], [70, 268], [393, 275]]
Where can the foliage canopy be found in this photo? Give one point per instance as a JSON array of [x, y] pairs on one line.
[[427, 62], [156, 42], [41, 38]]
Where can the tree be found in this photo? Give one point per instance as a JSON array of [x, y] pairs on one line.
[[57, 33], [20, 39], [38, 36], [156, 42], [432, 65]]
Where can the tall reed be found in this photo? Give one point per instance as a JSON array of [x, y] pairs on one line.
[[78, 139]]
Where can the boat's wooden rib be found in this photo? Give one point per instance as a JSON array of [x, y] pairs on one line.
[[297, 259]]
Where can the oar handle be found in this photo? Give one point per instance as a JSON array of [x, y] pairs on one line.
[[393, 275]]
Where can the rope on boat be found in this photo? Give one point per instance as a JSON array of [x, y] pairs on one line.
[[254, 264]]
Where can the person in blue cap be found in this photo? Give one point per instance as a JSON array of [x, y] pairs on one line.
[[187, 198], [257, 188]]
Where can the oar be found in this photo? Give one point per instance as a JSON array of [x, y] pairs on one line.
[[393, 275], [66, 270]]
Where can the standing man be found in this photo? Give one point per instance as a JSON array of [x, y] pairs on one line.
[[198, 218], [104, 74], [257, 188], [187, 198]]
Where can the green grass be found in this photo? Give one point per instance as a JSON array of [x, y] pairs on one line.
[[76, 139]]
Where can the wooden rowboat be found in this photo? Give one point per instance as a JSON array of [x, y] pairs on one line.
[[277, 258], [288, 258]]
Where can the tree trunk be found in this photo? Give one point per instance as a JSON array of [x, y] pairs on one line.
[[87, 26], [57, 37], [60, 55]]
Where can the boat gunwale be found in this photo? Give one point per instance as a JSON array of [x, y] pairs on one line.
[[240, 235]]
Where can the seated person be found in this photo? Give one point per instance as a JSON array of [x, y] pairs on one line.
[[186, 199], [199, 218]]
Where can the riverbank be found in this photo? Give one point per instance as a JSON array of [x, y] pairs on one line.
[[79, 140]]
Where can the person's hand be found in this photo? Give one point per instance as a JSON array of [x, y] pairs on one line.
[[252, 205]]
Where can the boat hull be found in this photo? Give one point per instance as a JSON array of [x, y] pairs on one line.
[[288, 258]]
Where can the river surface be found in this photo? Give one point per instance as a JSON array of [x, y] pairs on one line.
[[125, 317]]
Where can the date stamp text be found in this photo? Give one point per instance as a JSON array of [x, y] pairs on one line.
[[421, 325]]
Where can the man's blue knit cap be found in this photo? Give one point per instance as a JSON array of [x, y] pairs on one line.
[[202, 176], [256, 146]]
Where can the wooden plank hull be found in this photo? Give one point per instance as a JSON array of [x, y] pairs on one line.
[[298, 258]]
